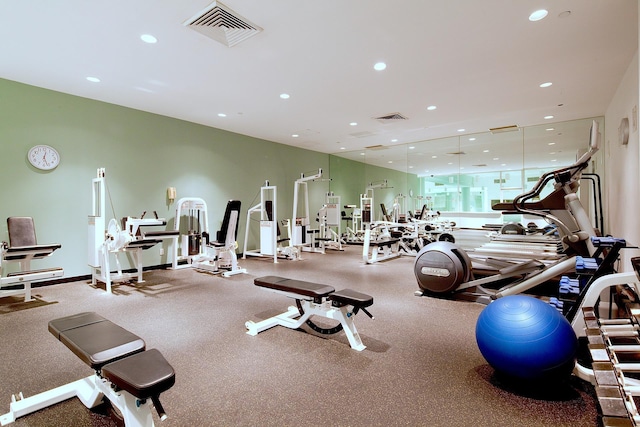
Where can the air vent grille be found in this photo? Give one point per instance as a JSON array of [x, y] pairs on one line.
[[222, 24], [510, 128], [391, 117]]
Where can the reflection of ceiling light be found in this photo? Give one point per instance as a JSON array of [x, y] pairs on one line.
[[295, 135], [450, 163], [431, 107], [412, 147], [485, 151], [552, 153], [222, 115], [538, 15], [461, 130], [342, 148], [353, 124], [554, 160], [550, 129], [551, 143], [284, 95], [472, 139], [93, 79], [547, 84], [394, 140], [434, 157], [390, 161], [504, 164], [548, 117], [362, 154], [379, 66], [496, 158]]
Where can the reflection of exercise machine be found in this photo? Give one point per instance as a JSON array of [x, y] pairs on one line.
[[129, 376], [220, 255], [270, 243], [22, 248], [329, 218], [115, 239], [443, 268]]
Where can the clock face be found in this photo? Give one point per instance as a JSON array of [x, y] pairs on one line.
[[44, 157]]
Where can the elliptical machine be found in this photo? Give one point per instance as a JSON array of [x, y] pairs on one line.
[[444, 269]]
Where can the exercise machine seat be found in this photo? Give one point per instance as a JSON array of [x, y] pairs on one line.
[[94, 339], [351, 297], [144, 375], [308, 289]]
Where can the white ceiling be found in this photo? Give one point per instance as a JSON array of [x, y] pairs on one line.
[[480, 62]]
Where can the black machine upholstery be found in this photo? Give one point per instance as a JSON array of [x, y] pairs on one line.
[[118, 353], [22, 231], [232, 206]]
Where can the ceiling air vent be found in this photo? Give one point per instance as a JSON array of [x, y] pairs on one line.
[[376, 147], [222, 24], [391, 118], [510, 128]]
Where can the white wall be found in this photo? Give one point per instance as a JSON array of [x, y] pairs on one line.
[[621, 164]]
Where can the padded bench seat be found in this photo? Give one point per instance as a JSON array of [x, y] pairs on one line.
[[144, 375], [384, 242], [351, 297], [94, 339], [308, 289]]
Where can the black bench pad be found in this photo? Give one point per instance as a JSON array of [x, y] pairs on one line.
[[144, 374], [94, 339], [351, 297], [385, 242], [309, 289]]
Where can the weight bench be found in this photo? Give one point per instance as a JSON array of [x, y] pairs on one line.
[[389, 247], [131, 377], [314, 299]]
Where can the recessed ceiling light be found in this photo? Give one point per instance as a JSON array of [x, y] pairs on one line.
[[472, 139], [450, 163], [431, 107], [394, 140], [390, 161], [295, 135], [410, 167], [551, 143], [485, 151], [552, 153], [461, 130], [362, 154], [496, 158], [547, 84], [550, 129], [434, 157], [222, 115], [353, 124], [379, 66], [504, 164], [342, 148], [548, 117], [93, 79], [148, 38], [412, 148], [538, 15], [284, 95], [554, 160]]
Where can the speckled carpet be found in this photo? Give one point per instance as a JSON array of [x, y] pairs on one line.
[[421, 367]]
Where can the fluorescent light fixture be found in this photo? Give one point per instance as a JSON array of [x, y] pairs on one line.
[[538, 15], [93, 79], [379, 66], [148, 38]]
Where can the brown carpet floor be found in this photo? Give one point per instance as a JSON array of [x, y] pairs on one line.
[[421, 367]]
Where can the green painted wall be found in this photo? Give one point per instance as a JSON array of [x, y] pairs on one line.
[[143, 154]]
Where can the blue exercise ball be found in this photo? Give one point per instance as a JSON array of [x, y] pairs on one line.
[[525, 338]]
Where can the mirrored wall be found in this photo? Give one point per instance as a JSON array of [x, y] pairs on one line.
[[462, 174]]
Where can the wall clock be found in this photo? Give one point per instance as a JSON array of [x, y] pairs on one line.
[[44, 157]]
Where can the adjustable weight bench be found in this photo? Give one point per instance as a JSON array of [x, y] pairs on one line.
[[314, 299], [131, 377]]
